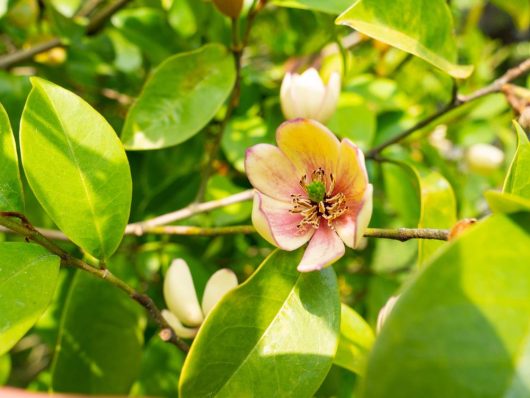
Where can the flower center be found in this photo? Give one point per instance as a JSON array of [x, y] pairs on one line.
[[320, 201]]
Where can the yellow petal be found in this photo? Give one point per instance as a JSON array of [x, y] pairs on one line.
[[271, 173], [308, 145]]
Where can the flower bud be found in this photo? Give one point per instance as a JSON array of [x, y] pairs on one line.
[[180, 295], [217, 286], [385, 312], [230, 8], [484, 158], [306, 96], [179, 329]]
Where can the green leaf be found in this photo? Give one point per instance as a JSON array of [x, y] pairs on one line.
[[76, 166], [181, 97], [518, 179], [99, 346], [161, 365], [353, 119], [28, 274], [402, 190], [334, 7], [461, 329], [276, 333], [356, 340], [423, 28], [503, 202], [11, 196], [5, 368], [438, 210]]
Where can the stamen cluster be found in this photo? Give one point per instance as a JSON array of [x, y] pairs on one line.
[[330, 206]]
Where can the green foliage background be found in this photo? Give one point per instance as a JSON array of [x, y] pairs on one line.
[[160, 75]]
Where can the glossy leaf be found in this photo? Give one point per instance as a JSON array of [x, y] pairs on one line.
[[11, 196], [518, 179], [181, 97], [503, 202], [356, 340], [423, 28], [328, 6], [76, 167], [28, 275], [461, 329], [277, 332], [438, 210], [100, 340], [5, 368]]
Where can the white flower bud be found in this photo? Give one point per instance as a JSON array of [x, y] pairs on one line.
[[484, 158], [180, 295], [385, 312], [179, 329], [306, 96], [217, 286]]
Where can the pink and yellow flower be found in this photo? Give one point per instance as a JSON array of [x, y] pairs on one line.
[[310, 188]]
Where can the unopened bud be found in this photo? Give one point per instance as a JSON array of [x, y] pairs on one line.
[[460, 227], [306, 96], [230, 8], [217, 286], [180, 295], [177, 326], [484, 158]]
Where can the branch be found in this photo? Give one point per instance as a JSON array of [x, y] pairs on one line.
[[25, 229], [237, 52], [404, 234], [191, 210], [456, 102], [95, 25]]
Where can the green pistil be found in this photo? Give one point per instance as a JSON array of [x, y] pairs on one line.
[[316, 191]]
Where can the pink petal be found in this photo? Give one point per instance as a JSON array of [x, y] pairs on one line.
[[324, 249], [351, 226], [270, 172], [351, 175], [308, 145], [276, 224]]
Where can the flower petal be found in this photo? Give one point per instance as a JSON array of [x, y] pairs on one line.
[[307, 92], [364, 216], [289, 107], [351, 176], [270, 172], [276, 224], [180, 295], [308, 145], [324, 249], [179, 329], [329, 102], [351, 226], [217, 286]]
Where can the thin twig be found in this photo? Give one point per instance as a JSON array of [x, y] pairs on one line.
[[238, 46], [25, 229], [95, 25], [404, 234], [191, 210], [456, 102]]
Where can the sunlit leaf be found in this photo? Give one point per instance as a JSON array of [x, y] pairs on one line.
[[518, 179], [356, 339], [328, 6], [76, 167], [28, 274], [11, 196], [276, 332], [181, 97], [461, 329], [423, 28]]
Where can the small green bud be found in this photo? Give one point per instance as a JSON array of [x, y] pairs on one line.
[[316, 191]]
